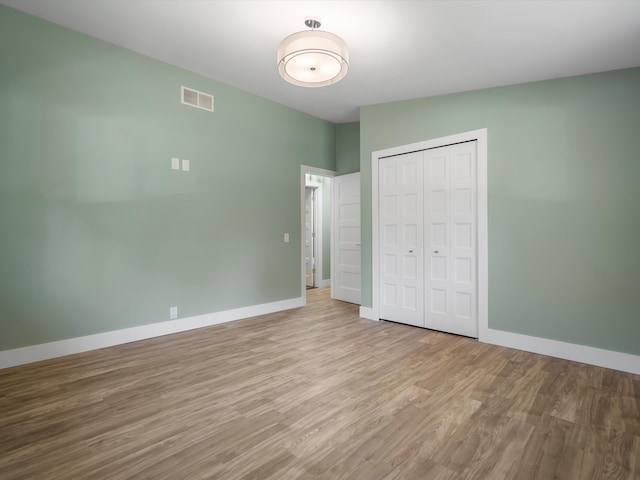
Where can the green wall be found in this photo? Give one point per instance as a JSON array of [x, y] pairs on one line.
[[97, 233], [348, 148], [564, 200]]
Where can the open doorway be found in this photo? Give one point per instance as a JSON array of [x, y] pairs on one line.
[[313, 226], [315, 190]]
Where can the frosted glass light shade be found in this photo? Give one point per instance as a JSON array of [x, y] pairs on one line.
[[313, 58]]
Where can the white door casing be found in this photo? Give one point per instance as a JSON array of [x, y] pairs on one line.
[[345, 231], [310, 235], [304, 171], [448, 277]]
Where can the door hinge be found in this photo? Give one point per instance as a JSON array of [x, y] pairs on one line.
[[313, 270]]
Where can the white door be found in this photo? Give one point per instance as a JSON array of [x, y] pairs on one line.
[[450, 182], [309, 236], [345, 253], [428, 238], [401, 239]]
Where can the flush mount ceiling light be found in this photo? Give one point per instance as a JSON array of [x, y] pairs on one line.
[[313, 58]]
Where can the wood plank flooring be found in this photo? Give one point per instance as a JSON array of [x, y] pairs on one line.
[[317, 393]]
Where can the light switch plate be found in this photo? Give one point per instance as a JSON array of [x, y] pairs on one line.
[[286, 238], [185, 165], [175, 163]]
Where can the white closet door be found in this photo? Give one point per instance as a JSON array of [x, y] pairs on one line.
[[345, 252], [401, 239], [450, 179]]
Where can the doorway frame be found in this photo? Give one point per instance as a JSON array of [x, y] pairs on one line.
[[316, 229], [480, 136], [304, 170]]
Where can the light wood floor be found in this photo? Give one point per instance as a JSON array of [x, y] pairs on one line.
[[317, 393]]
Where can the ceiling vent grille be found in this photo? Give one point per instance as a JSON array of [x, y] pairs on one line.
[[197, 99]]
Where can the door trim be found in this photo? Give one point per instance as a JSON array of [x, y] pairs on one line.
[[480, 136], [317, 229], [304, 169]]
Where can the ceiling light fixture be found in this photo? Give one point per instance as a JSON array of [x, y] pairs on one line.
[[313, 58]]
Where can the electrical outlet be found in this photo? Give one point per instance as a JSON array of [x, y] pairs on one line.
[[175, 163], [286, 238], [186, 165], [173, 313]]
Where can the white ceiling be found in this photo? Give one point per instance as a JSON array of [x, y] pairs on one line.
[[399, 49]]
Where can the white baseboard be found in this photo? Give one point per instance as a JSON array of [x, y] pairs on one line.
[[368, 313], [44, 351], [578, 353], [324, 283], [624, 362]]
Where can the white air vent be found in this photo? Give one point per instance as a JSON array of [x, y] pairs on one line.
[[197, 99]]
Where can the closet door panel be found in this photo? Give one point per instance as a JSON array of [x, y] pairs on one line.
[[401, 233], [438, 230], [450, 226]]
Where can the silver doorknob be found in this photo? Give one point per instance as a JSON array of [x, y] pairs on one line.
[[435, 251], [410, 251]]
